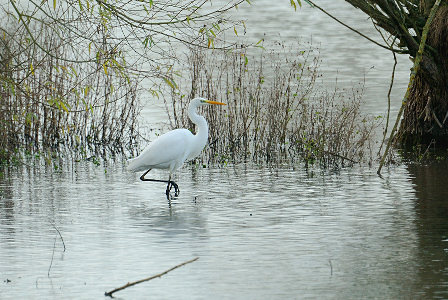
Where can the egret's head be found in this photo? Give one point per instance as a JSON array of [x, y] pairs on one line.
[[196, 102]]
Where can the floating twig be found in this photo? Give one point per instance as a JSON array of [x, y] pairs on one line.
[[149, 278], [331, 267]]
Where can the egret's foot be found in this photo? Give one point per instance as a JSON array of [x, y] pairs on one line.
[[176, 189], [167, 192], [170, 186]]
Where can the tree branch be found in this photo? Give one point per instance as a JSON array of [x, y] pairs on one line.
[[149, 278], [354, 30]]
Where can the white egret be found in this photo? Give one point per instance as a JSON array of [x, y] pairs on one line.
[[172, 149]]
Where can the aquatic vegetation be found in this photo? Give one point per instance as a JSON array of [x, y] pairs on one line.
[[48, 103], [276, 112]]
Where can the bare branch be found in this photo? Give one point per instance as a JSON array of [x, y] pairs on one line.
[[149, 278], [354, 30]]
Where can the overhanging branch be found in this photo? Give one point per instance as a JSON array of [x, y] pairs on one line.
[[357, 31]]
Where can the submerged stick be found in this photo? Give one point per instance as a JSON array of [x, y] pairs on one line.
[[60, 235], [149, 278], [415, 69], [52, 256]]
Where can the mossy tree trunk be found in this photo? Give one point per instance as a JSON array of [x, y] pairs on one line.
[[425, 117]]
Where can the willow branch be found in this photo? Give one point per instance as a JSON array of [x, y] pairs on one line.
[[388, 101], [354, 30], [33, 39], [170, 22]]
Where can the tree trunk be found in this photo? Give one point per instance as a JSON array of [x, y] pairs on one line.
[[425, 119]]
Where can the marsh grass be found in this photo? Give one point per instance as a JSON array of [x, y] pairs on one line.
[[274, 113], [48, 104]]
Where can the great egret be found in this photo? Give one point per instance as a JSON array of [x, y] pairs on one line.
[[172, 149]]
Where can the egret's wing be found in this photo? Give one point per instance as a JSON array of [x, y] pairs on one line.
[[169, 148]]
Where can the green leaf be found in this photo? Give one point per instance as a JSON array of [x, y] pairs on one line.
[[64, 107], [293, 4], [154, 93], [211, 42], [74, 71], [85, 104], [234, 30], [86, 90], [170, 82]]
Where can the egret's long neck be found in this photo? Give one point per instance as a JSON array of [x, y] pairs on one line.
[[201, 126]]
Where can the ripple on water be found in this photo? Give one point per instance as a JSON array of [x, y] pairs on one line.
[[259, 233]]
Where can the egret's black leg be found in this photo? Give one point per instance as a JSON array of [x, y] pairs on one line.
[[142, 178], [167, 192], [176, 188], [170, 185]]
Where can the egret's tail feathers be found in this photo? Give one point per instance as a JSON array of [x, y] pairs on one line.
[[134, 165]]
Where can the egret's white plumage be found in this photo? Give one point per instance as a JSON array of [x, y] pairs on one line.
[[172, 149], [168, 151]]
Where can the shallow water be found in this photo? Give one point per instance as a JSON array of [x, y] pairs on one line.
[[259, 233]]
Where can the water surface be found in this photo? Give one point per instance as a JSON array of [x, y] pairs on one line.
[[259, 233], [347, 59]]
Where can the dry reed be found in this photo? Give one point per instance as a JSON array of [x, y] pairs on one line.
[[275, 113], [50, 104]]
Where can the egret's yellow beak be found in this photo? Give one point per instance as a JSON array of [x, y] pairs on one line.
[[214, 102]]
